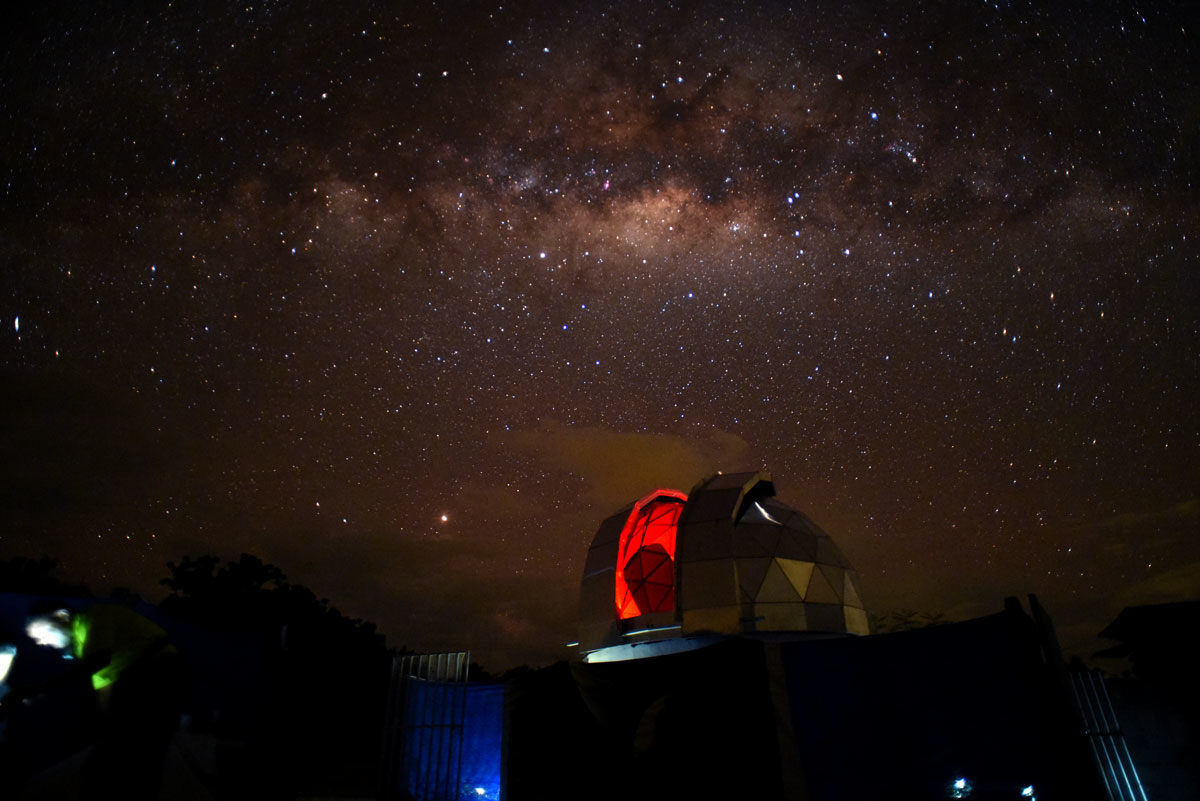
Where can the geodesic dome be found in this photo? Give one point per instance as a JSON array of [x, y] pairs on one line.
[[724, 559]]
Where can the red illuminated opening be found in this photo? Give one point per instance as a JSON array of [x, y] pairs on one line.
[[646, 555]]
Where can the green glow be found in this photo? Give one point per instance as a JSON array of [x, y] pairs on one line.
[[80, 631], [79, 635]]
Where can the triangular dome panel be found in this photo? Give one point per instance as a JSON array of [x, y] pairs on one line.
[[850, 592], [775, 587], [767, 537], [751, 573], [797, 544], [755, 539], [798, 573], [857, 621], [819, 591], [836, 577]]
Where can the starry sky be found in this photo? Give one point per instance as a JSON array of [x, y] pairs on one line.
[[406, 298]]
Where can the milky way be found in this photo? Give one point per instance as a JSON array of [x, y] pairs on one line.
[[407, 299]]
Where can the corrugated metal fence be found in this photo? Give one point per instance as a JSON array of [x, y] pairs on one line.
[[1103, 731], [423, 735]]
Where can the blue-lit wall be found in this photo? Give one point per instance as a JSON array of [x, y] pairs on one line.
[[454, 737], [483, 739]]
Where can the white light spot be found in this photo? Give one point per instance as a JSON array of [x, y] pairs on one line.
[[766, 514], [48, 631]]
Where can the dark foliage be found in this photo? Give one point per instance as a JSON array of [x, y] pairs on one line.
[[36, 577], [907, 620], [325, 683]]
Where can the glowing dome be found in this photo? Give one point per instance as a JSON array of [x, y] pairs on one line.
[[675, 571]]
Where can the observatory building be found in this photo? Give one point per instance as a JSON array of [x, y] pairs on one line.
[[722, 653], [673, 572]]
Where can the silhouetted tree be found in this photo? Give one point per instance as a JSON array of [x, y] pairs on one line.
[[907, 620], [326, 682], [36, 577]]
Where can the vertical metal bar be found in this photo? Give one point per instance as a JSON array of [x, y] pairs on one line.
[[423, 722], [1129, 770], [429, 756], [464, 667], [439, 727], [1105, 735], [1112, 733], [446, 730], [1089, 731], [446, 708], [1099, 736], [1139, 791]]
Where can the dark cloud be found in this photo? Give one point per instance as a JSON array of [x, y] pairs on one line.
[[611, 468]]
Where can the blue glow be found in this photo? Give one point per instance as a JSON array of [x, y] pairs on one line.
[[960, 788], [1027, 792], [469, 754], [483, 736], [7, 654]]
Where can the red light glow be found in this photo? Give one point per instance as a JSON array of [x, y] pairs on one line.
[[646, 555]]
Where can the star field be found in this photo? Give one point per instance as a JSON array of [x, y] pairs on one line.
[[407, 299]]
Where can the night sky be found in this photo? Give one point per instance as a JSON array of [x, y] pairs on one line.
[[405, 298]]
